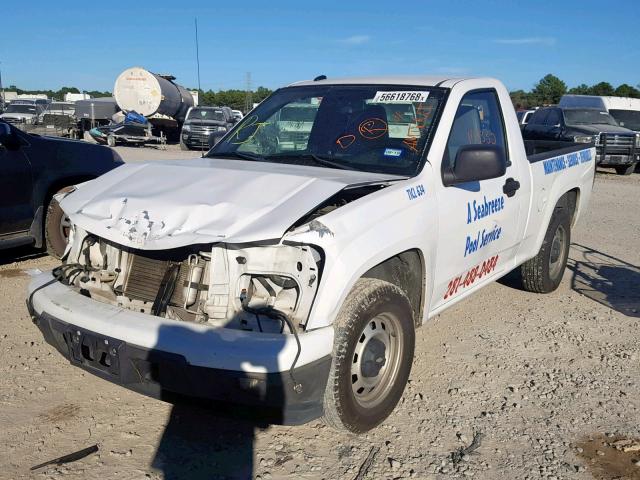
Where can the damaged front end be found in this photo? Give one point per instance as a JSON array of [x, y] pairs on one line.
[[203, 295], [259, 288]]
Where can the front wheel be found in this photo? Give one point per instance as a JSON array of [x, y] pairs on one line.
[[57, 228], [111, 140], [626, 169], [372, 356], [543, 273]]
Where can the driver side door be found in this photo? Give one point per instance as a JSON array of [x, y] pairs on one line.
[[477, 220], [16, 184]]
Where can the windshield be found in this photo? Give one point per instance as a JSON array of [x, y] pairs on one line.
[[61, 107], [627, 118], [206, 115], [20, 108], [369, 128], [588, 117]]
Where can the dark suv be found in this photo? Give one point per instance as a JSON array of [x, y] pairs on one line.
[[616, 147], [32, 170], [203, 124]]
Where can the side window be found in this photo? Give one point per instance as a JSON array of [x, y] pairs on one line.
[[553, 118], [478, 121], [539, 117]]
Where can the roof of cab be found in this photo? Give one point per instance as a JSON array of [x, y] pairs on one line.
[[418, 80]]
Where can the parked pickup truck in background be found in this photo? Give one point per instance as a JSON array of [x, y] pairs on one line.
[[616, 147], [293, 282]]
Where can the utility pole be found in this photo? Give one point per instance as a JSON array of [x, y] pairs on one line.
[[198, 56], [248, 99], [1, 86]]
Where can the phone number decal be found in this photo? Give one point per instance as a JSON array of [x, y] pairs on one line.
[[467, 279]]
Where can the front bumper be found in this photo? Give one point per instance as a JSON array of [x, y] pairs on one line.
[[159, 357], [199, 139]]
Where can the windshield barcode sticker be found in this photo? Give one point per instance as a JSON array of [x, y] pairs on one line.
[[400, 97]]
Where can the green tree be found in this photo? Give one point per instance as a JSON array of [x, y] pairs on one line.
[[582, 89], [602, 88], [626, 90], [521, 99], [549, 89]]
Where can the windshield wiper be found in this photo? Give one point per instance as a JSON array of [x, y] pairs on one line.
[[253, 157], [315, 158]]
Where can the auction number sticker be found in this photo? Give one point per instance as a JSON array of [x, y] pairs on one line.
[[469, 278], [400, 97]]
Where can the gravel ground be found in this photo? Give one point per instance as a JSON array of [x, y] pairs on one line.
[[547, 384]]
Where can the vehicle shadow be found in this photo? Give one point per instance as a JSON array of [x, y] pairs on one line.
[[605, 279], [201, 443], [205, 438], [18, 254]]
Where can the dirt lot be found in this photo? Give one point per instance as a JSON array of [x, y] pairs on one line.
[[551, 383]]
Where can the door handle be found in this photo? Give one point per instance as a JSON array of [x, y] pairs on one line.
[[510, 187]]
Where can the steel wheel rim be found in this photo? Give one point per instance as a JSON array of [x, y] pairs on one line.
[[65, 227], [558, 247], [376, 360]]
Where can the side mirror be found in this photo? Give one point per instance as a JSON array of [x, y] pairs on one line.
[[477, 162], [8, 138]]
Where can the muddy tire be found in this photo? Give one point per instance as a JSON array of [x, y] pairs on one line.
[[543, 273], [372, 356], [626, 169], [56, 227]]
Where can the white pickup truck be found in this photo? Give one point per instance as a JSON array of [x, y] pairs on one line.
[[292, 282]]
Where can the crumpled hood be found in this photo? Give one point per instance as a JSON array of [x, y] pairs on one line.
[[163, 205]]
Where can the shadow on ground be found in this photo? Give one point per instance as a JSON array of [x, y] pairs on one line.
[[599, 276], [20, 254], [211, 438], [198, 444], [605, 279]]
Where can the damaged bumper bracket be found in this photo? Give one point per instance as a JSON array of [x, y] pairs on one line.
[[159, 357]]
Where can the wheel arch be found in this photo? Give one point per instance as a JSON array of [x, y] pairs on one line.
[[573, 203], [38, 226], [406, 270]]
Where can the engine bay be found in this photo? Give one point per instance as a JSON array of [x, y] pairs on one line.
[[264, 288]]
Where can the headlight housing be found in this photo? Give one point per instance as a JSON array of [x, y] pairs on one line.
[[637, 139], [186, 128], [585, 138], [222, 129]]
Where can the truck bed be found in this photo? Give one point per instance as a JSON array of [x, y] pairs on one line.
[[538, 150]]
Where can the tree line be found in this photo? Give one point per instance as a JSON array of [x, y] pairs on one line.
[[233, 98], [57, 94], [550, 88]]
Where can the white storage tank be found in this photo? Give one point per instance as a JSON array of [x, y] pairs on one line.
[[148, 94]]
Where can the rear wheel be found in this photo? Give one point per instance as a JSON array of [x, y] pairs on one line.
[[57, 227], [626, 169], [372, 356], [543, 273]]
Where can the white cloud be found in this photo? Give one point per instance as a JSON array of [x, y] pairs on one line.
[[547, 41], [355, 40]]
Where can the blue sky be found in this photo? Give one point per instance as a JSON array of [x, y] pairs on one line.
[[44, 44]]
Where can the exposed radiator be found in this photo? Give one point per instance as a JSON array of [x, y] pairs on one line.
[[146, 274]]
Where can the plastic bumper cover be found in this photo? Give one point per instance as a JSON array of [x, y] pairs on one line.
[[187, 359]]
